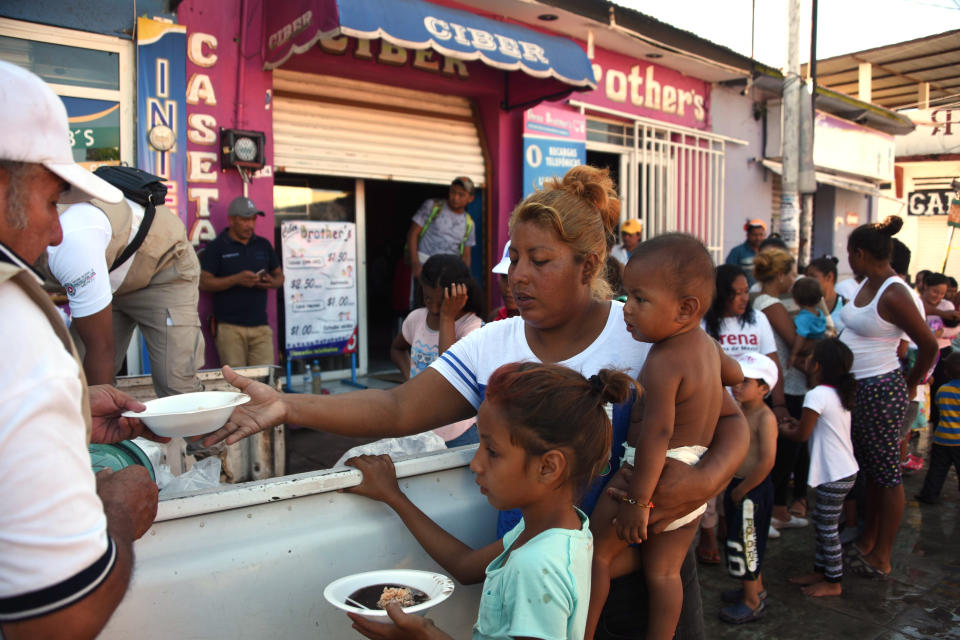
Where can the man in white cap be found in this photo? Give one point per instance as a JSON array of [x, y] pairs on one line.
[[66, 537], [116, 280]]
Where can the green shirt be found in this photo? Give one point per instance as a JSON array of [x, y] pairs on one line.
[[542, 590]]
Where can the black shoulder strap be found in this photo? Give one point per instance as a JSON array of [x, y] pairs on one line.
[[141, 187], [148, 214]]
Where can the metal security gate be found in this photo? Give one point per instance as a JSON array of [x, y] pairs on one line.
[[673, 176], [328, 125]]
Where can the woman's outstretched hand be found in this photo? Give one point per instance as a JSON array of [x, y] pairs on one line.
[[266, 409]]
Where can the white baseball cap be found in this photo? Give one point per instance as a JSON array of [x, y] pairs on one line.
[[35, 130], [504, 265], [759, 367]]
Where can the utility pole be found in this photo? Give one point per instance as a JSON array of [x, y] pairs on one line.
[[790, 192], [807, 182]]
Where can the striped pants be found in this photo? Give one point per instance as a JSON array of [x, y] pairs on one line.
[[826, 517]]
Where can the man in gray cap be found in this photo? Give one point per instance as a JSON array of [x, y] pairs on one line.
[[66, 537], [238, 267]]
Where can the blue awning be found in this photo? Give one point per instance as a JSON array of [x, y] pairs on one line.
[[294, 26]]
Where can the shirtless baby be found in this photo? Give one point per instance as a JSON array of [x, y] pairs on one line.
[[670, 283]]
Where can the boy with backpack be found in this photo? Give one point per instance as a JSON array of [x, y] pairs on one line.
[[442, 226]]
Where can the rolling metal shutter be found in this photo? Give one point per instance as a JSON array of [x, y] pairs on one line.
[[931, 248], [329, 125]]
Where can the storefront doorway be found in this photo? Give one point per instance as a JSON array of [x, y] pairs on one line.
[[353, 149], [382, 210]]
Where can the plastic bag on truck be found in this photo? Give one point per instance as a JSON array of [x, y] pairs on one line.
[[397, 447], [203, 475]]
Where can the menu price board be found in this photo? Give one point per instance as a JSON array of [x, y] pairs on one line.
[[319, 287]]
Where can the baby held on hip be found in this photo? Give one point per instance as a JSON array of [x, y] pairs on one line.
[[694, 360]]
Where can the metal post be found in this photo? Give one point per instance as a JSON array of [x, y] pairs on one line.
[[946, 258], [790, 196]]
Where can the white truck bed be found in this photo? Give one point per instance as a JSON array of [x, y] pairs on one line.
[[251, 560]]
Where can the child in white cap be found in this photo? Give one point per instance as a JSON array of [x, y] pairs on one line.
[[748, 499], [509, 308]]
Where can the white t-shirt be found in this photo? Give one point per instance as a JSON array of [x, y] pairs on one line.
[[847, 288], [445, 233], [424, 347], [79, 263], [831, 449], [620, 254], [468, 364], [53, 538], [949, 333], [756, 336]]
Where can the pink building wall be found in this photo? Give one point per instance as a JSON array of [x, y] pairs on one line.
[[226, 88]]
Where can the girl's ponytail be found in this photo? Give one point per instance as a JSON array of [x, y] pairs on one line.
[[835, 360], [612, 386], [847, 390]]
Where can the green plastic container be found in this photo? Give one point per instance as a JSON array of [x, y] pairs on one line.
[[119, 455]]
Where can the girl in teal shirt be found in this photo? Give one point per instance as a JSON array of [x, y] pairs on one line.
[[544, 435]]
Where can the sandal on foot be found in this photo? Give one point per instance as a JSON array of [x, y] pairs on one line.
[[740, 613], [792, 523], [733, 596], [708, 556], [799, 508], [852, 553], [866, 570]]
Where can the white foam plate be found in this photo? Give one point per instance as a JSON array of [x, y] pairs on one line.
[[189, 414], [437, 586]]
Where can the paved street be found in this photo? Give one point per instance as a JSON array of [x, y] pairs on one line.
[[921, 600]]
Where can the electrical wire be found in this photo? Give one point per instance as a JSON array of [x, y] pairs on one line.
[[910, 105]]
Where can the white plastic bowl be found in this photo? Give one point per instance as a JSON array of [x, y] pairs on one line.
[[437, 586], [189, 414]]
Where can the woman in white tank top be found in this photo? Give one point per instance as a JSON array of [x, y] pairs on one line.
[[875, 320]]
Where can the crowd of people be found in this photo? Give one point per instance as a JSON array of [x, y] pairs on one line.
[[619, 412], [817, 398]]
